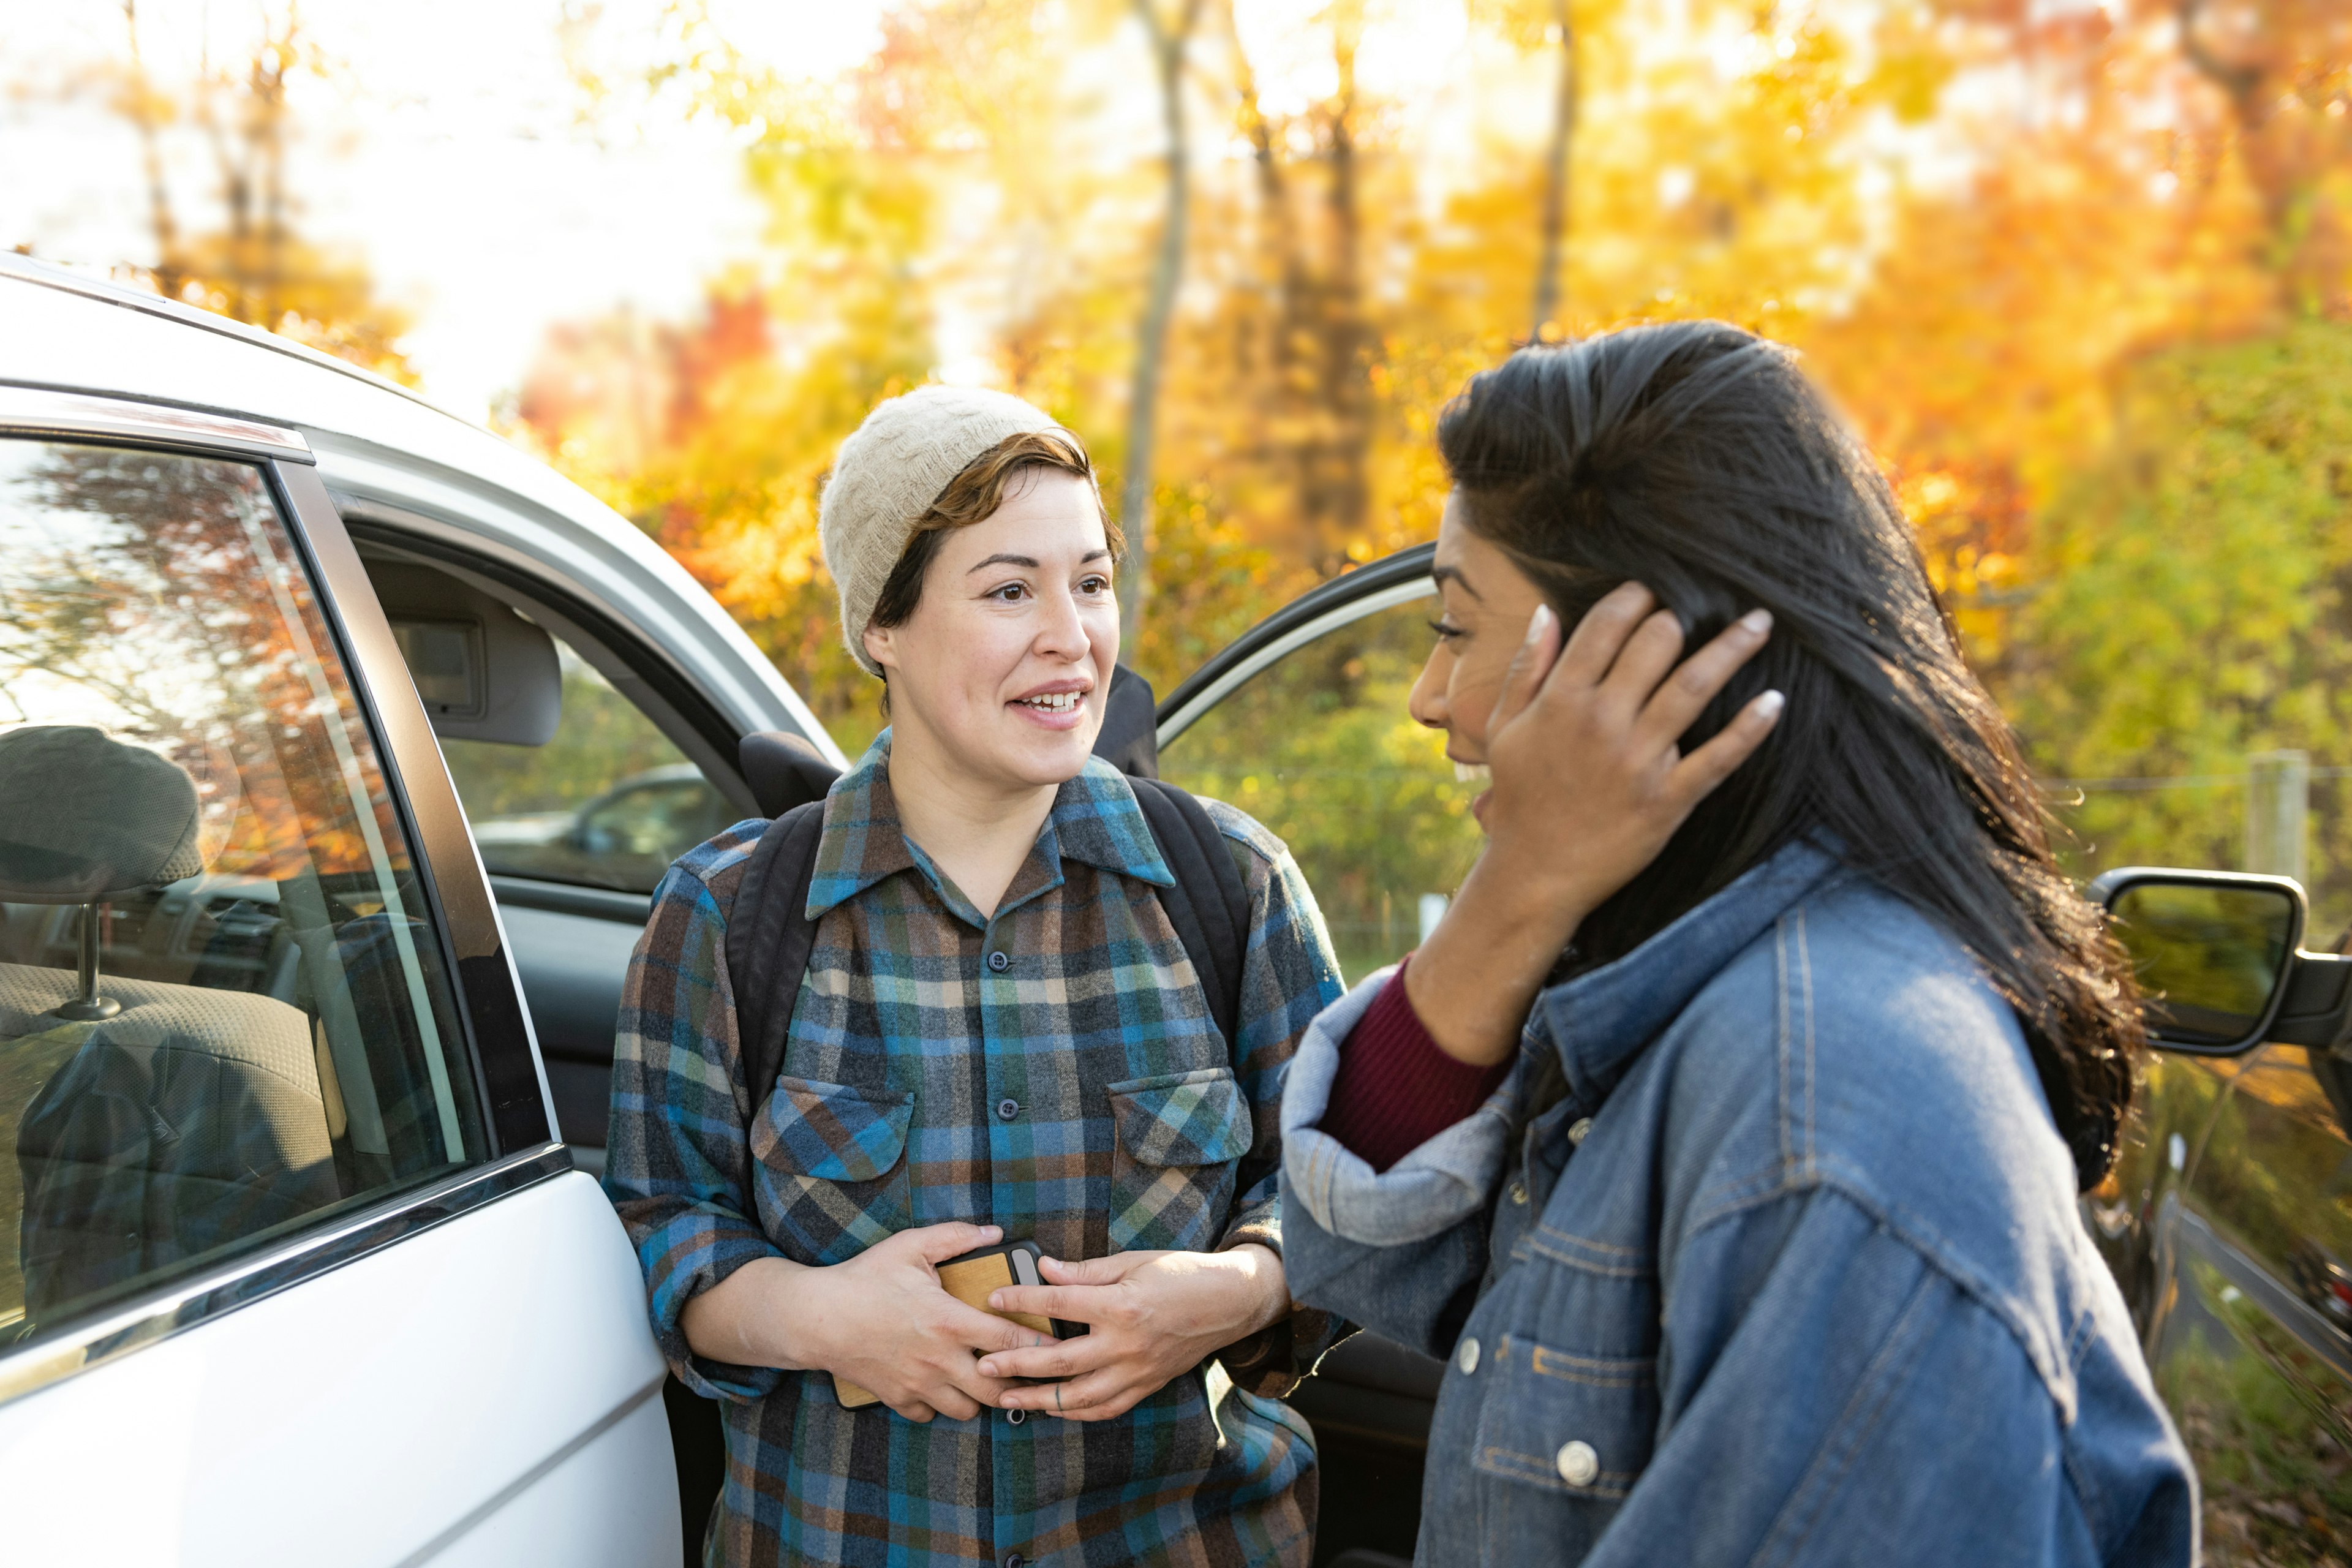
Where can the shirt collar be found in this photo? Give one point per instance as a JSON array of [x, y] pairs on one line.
[[1600, 1021], [1095, 819]]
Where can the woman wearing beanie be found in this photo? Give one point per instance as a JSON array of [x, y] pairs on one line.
[[998, 1037]]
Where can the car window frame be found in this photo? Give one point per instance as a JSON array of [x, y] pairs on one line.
[[494, 1036], [672, 699], [1383, 584]]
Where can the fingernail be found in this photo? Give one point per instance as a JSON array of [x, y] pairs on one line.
[[996, 1301], [1759, 621], [1538, 621], [988, 1369], [1769, 706]]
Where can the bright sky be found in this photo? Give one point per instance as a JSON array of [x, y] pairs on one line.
[[447, 147]]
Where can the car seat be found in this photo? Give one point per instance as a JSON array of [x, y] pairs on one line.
[[158, 1120]]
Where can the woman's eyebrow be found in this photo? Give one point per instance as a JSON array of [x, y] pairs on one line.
[[1442, 575], [1030, 562]]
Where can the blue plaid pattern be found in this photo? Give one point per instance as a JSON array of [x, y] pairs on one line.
[[1077, 1094]]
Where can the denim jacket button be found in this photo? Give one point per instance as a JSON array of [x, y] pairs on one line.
[[1578, 1463], [1578, 1128], [1520, 1193], [1466, 1358]]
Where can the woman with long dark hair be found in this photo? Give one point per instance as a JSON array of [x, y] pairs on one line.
[[1724, 1135]]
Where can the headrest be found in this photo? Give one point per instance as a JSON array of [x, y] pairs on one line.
[[83, 818], [1129, 738]]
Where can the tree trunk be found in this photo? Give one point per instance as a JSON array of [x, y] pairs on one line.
[[1167, 47], [1556, 179], [170, 272], [1340, 499]]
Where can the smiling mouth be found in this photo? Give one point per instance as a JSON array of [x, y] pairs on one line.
[[1054, 701], [1472, 772]]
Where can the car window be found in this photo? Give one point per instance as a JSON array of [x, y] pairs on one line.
[[1318, 747], [608, 802], [224, 1009]]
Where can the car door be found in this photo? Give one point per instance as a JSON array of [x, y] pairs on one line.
[[1302, 723], [292, 1268], [571, 747], [2248, 1291]]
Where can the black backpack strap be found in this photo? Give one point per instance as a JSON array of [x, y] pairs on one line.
[[769, 935], [1209, 906]]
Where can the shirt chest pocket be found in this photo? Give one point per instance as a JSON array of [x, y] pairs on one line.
[[1561, 1437], [1177, 1140], [831, 1167]]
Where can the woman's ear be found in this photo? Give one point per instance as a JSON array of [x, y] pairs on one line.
[[880, 646]]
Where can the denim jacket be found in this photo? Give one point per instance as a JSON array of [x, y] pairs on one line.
[[1766, 1252]]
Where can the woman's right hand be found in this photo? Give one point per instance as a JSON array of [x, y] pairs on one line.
[[1589, 785], [880, 1320]]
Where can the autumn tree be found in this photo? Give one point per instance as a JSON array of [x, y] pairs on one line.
[[254, 265]]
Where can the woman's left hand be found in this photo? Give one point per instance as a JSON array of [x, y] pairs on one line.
[[1150, 1316]]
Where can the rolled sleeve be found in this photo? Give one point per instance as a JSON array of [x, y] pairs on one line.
[[679, 1162], [1445, 1180]]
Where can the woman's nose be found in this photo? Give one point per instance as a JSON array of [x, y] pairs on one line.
[[1061, 629], [1426, 702]]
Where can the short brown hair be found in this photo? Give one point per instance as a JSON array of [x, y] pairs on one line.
[[974, 495]]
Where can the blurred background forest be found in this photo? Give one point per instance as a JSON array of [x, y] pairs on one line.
[[2082, 273]]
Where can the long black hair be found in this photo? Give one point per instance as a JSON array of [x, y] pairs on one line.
[[1697, 460]]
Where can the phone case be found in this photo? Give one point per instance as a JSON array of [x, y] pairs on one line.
[[970, 1280]]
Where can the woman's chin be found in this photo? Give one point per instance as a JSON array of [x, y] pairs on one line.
[[1040, 756]]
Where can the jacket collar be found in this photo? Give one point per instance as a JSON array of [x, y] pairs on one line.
[[1599, 1022], [1095, 819]]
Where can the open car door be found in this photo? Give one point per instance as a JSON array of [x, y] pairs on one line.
[[1301, 723]]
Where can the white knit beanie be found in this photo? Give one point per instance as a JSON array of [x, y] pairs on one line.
[[889, 472]]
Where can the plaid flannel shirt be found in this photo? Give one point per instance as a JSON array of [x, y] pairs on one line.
[[1053, 1070]]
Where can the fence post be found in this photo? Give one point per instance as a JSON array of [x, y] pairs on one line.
[[2278, 805]]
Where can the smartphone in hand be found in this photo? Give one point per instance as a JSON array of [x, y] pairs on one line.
[[972, 1279]]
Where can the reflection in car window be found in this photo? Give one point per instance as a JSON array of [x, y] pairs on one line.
[[609, 801], [1318, 748], [222, 1009]]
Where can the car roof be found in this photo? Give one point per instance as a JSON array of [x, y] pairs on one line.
[[392, 457]]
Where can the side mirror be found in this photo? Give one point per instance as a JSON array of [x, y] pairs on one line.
[[2219, 960]]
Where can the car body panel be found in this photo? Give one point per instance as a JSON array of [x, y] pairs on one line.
[[365, 1414], [2246, 1294], [448, 1373]]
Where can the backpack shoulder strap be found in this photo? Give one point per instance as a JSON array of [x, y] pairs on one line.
[[769, 935], [1209, 905]]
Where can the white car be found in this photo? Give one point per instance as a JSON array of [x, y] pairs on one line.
[[302, 1090]]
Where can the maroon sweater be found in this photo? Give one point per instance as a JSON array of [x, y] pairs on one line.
[[1396, 1090]]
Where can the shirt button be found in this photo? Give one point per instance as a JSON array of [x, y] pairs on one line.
[[997, 961], [1520, 1193], [1578, 1463], [1466, 1358], [1014, 1560], [1017, 1416], [1578, 1128], [1006, 1109]]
